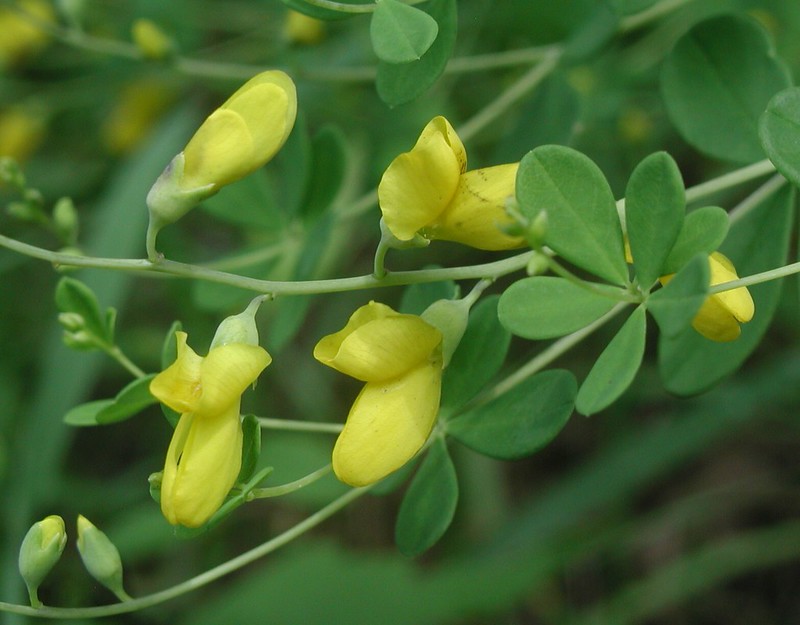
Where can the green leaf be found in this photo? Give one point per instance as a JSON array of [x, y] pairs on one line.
[[655, 203], [689, 363], [74, 296], [251, 447], [86, 414], [582, 221], [417, 297], [328, 163], [479, 356], [129, 402], [592, 35], [703, 230], [614, 371], [169, 348], [249, 202], [520, 421], [401, 33], [544, 307], [429, 504], [398, 84], [675, 305], [779, 130], [716, 83]]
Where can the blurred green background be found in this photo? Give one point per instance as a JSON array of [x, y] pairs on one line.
[[659, 510]]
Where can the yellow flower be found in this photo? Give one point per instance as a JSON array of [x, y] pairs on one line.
[[429, 191], [138, 106], [205, 453], [400, 359], [720, 315], [234, 141], [21, 37], [152, 42], [22, 129], [302, 29]]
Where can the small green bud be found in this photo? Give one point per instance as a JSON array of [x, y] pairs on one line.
[[538, 264], [65, 219], [537, 231], [25, 211], [71, 321], [450, 317], [100, 557], [239, 328], [154, 481], [11, 173], [40, 550]]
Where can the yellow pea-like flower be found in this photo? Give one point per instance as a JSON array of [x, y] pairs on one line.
[[302, 29], [234, 141], [205, 454], [429, 191], [21, 37], [399, 357]]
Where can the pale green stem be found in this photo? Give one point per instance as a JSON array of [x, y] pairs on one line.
[[757, 278], [273, 287], [621, 294], [756, 197], [117, 354], [199, 581], [543, 359], [344, 7], [732, 179], [299, 426], [477, 291], [290, 487], [632, 22], [378, 268]]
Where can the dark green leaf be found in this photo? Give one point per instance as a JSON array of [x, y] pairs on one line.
[[716, 83], [675, 305], [401, 33], [429, 504], [582, 221], [321, 13], [479, 356], [398, 84], [74, 296], [614, 371], [249, 202], [655, 203], [703, 230], [328, 161], [129, 402], [86, 414], [417, 297], [544, 307], [520, 421], [690, 363], [251, 447], [592, 35], [779, 129]]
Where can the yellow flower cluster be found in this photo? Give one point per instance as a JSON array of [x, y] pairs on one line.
[[21, 37], [429, 191]]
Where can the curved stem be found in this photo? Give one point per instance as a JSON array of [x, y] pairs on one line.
[[290, 487], [299, 426], [198, 581]]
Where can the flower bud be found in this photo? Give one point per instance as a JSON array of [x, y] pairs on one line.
[[71, 321], [538, 264], [152, 42], [100, 557], [537, 231], [239, 328], [450, 317], [40, 550], [65, 219]]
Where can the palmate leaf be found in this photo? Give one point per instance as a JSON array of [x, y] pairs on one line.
[[703, 230]]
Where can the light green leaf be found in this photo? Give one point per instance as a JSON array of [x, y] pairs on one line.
[[689, 363], [322, 13], [703, 230], [716, 83], [401, 33], [75, 297], [614, 371], [86, 414], [582, 221], [655, 203], [521, 421], [429, 504], [779, 130], [675, 305], [129, 402], [544, 307], [479, 356], [398, 84]]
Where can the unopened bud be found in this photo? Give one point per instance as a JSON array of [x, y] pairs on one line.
[[239, 328], [65, 219], [40, 550], [71, 321], [100, 557]]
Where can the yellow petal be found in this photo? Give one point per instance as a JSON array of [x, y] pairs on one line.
[[226, 373], [378, 344], [477, 212], [387, 425], [268, 105], [715, 322], [737, 301], [418, 185], [440, 126], [220, 152], [179, 385], [203, 461]]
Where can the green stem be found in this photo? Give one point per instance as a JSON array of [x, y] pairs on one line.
[[299, 426], [290, 487], [757, 278], [117, 354], [378, 268], [756, 197], [732, 179], [618, 294], [199, 581], [632, 22], [477, 291], [343, 7]]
